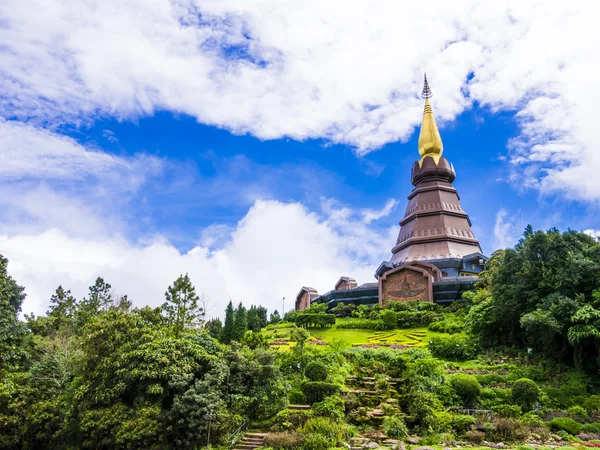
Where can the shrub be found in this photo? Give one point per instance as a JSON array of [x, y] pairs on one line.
[[317, 442], [296, 397], [389, 318], [525, 393], [324, 426], [466, 387], [291, 419], [565, 424], [316, 371], [364, 324], [508, 411], [314, 320], [463, 422], [316, 391], [592, 403], [474, 436], [454, 348], [591, 427], [395, 427], [438, 421], [332, 407], [505, 429], [577, 411], [284, 440]]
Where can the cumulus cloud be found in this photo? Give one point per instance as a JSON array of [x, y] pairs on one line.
[[274, 250], [345, 71], [505, 232]]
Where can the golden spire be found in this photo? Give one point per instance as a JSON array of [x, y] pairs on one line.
[[430, 142]]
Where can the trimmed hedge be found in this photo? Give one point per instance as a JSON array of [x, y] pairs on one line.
[[314, 320], [365, 324], [315, 371], [453, 348], [316, 391], [565, 424]]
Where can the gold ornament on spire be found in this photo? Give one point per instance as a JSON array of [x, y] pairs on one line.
[[430, 141]]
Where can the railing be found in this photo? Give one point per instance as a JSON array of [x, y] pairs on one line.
[[236, 435]]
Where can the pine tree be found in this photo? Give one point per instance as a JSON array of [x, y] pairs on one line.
[[181, 308], [240, 323], [274, 317], [227, 334], [99, 298]]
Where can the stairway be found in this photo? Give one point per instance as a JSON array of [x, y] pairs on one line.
[[250, 441]]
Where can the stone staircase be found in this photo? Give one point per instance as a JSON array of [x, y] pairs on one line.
[[250, 441], [299, 407]]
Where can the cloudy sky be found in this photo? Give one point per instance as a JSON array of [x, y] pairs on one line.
[[263, 145]]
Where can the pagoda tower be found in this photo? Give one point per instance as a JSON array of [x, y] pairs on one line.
[[435, 228]]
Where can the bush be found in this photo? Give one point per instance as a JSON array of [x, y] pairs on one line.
[[317, 442], [323, 426], [316, 391], [284, 440], [463, 422], [476, 437], [291, 419], [505, 429], [314, 320], [591, 427], [296, 397], [525, 393], [395, 427], [453, 348], [466, 387], [508, 411], [316, 371], [592, 403], [389, 318], [565, 424], [332, 407], [577, 411]]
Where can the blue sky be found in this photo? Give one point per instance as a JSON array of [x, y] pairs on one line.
[[262, 146]]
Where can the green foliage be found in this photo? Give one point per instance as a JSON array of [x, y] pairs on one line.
[[214, 327], [508, 411], [291, 419], [415, 314], [181, 308], [525, 393], [285, 440], [505, 430], [461, 423], [365, 324], [389, 318], [592, 403], [257, 318], [314, 320], [577, 411], [316, 391], [240, 323], [296, 397], [329, 429], [450, 324], [228, 326], [274, 318], [11, 330], [332, 407], [316, 371], [565, 424], [593, 427], [394, 427], [453, 348], [317, 442], [466, 387]]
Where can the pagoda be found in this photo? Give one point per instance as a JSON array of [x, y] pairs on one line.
[[434, 227]]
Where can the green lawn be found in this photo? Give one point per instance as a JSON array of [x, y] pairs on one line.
[[416, 337]]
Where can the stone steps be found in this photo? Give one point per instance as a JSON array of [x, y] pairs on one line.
[[298, 407], [251, 441]]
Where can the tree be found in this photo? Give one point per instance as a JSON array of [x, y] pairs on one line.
[[214, 327], [227, 334], [11, 330], [257, 318], [274, 318], [300, 336], [240, 323], [99, 298], [467, 388], [181, 308]]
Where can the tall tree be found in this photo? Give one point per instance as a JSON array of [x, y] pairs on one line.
[[181, 308], [240, 323], [214, 327], [257, 318], [227, 335], [11, 330], [275, 317], [99, 298]]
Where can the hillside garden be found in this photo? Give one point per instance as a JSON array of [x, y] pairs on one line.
[[513, 366]]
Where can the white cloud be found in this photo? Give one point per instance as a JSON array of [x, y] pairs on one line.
[[593, 233], [346, 71], [370, 214], [505, 233], [274, 250]]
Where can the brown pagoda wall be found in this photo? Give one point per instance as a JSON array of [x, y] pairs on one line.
[[303, 301], [406, 283]]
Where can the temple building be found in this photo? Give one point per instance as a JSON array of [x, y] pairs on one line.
[[436, 257]]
